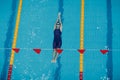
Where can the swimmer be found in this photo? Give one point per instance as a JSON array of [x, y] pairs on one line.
[[57, 42]]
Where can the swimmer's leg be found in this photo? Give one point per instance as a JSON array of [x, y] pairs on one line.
[[54, 56], [54, 53]]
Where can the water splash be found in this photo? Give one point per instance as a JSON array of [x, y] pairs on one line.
[[45, 77], [58, 69], [61, 9]]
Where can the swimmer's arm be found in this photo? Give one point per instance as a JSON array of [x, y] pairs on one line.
[[61, 27], [54, 27]]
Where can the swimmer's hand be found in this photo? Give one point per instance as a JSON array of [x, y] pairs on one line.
[[59, 18], [59, 15]]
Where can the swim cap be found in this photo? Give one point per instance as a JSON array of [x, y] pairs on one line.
[[58, 23]]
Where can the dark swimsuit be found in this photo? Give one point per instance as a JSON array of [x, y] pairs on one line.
[[57, 42]]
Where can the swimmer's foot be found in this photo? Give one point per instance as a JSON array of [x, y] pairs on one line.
[[53, 61]]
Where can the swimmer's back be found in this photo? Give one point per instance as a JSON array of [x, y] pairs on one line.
[[57, 32]]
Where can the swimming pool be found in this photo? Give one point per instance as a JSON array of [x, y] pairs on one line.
[[36, 31]]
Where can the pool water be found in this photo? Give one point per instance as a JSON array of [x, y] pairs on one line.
[[101, 31]]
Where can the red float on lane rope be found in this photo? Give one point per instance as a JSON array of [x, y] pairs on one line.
[[16, 49], [37, 50], [103, 51], [59, 51], [81, 76], [81, 51]]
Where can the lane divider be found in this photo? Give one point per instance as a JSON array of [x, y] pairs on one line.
[[38, 50], [64, 49], [81, 40], [14, 41]]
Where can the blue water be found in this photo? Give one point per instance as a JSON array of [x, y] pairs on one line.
[[36, 31]]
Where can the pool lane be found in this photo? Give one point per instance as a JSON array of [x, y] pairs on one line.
[[36, 31], [95, 39], [36, 28], [103, 33], [71, 40], [7, 19], [14, 40], [116, 37]]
